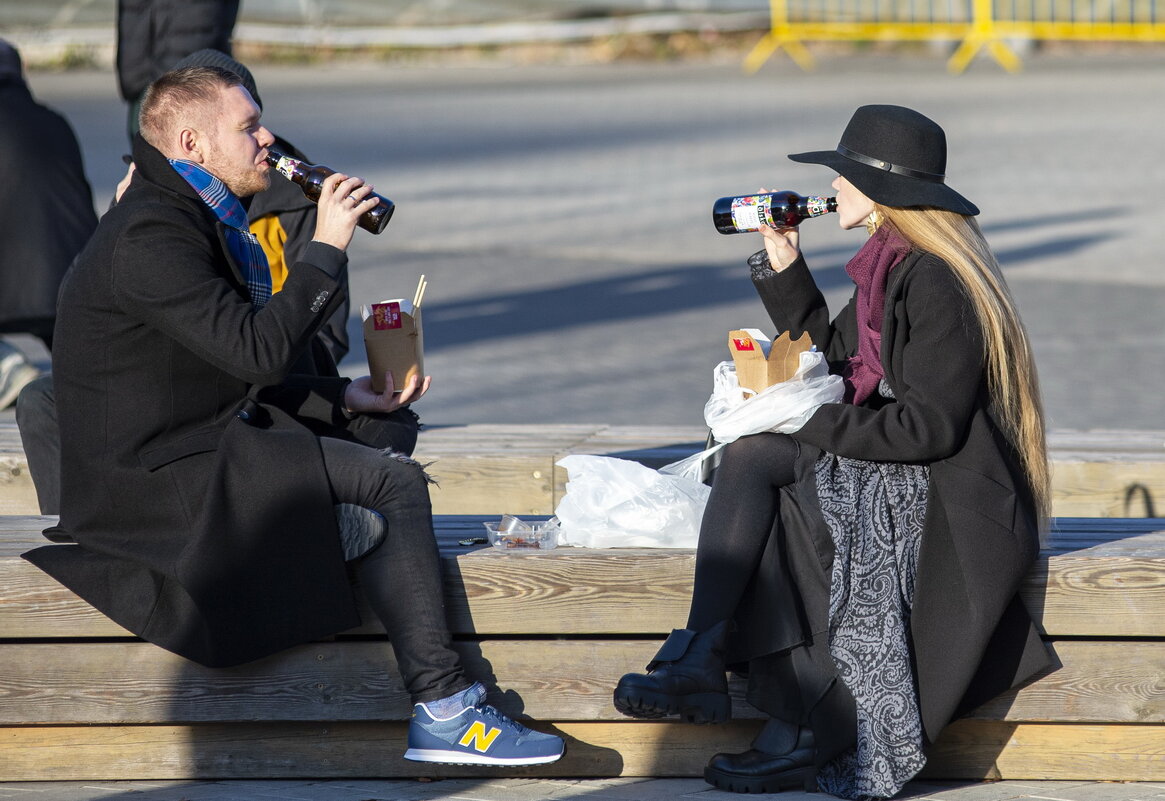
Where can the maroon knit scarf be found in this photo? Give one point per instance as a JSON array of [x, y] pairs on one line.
[[870, 270]]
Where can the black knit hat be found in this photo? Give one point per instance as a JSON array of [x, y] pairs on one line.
[[894, 156], [216, 58]]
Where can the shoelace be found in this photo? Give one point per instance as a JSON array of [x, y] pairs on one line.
[[492, 713]]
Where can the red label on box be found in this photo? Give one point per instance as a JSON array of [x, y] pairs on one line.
[[385, 316], [743, 344]]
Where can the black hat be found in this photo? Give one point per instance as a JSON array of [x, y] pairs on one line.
[[209, 57], [894, 156]]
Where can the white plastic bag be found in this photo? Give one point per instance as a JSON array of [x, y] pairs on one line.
[[782, 408], [613, 503]]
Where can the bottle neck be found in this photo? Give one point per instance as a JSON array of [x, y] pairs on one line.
[[289, 168], [815, 206]]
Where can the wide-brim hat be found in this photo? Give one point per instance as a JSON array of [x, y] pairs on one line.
[[894, 156]]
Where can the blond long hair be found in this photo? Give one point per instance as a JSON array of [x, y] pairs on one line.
[[1007, 354]]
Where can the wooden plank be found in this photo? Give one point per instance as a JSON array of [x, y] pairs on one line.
[[137, 683], [17, 493], [1118, 681], [1101, 588], [495, 469], [563, 680], [967, 750], [974, 749], [510, 468]]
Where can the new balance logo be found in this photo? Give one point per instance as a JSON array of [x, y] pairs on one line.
[[478, 738]]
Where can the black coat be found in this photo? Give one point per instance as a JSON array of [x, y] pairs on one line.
[[46, 206], [971, 636], [153, 35], [190, 480]]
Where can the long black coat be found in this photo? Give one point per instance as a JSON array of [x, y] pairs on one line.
[[971, 636], [153, 35], [46, 208], [203, 518]]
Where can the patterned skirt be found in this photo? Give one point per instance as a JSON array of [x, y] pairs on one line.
[[875, 512]]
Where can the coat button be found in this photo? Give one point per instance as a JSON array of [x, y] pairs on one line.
[[243, 414]]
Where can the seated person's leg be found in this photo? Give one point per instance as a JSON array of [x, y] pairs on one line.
[[36, 417], [401, 576]]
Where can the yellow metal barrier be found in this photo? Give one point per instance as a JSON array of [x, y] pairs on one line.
[[975, 24]]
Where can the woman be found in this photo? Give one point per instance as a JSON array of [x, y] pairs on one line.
[[866, 567]]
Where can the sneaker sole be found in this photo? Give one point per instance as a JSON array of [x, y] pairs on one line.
[[699, 708], [459, 758]]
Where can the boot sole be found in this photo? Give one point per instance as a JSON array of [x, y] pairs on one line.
[[696, 708], [803, 778]]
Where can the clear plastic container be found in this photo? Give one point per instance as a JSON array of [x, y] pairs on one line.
[[512, 533]]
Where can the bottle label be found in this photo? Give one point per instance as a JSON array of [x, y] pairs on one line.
[[286, 166], [751, 212], [816, 206]]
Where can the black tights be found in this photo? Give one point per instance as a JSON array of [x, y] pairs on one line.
[[737, 522]]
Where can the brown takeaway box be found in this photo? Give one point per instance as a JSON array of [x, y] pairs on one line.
[[760, 363], [395, 342]]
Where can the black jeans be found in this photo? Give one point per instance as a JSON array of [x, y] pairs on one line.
[[402, 576], [737, 521]]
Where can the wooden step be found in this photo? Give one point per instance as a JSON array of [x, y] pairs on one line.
[[555, 679], [966, 750], [512, 468], [1097, 578]]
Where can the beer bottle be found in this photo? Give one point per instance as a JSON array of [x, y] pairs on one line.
[[738, 215], [310, 178]]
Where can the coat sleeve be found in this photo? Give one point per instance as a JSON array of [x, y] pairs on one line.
[[795, 304], [171, 276], [933, 356]]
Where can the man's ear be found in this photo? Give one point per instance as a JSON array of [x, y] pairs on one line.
[[191, 145]]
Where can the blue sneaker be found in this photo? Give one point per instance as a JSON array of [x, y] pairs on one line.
[[478, 735]]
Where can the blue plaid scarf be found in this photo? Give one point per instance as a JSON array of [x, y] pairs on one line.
[[245, 248]]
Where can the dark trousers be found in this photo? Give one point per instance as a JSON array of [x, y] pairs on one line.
[[402, 576], [36, 417]]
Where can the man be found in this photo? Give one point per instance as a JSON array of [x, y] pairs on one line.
[[47, 213], [198, 477], [283, 220], [153, 34]]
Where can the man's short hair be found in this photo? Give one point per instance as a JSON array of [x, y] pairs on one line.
[[180, 97]]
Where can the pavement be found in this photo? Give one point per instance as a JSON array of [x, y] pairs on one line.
[[630, 789]]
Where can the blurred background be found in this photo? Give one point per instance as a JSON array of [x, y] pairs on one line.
[[554, 165]]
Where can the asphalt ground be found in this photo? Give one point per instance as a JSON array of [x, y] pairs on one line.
[[561, 212]]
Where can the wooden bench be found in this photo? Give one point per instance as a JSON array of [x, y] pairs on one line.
[[80, 699], [511, 468]]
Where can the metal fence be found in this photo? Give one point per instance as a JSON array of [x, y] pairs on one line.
[[975, 24]]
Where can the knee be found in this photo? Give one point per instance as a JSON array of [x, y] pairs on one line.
[[758, 456], [406, 475], [36, 407]]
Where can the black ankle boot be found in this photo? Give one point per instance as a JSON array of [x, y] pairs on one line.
[[686, 678], [754, 771]]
